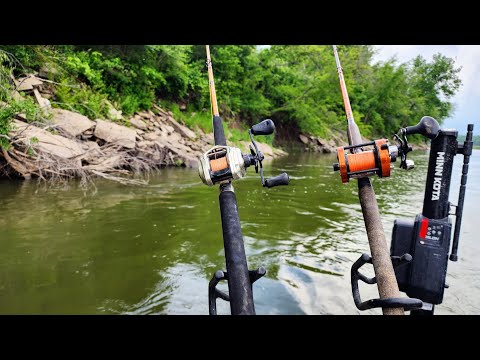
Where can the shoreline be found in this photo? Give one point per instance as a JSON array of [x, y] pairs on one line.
[[67, 144], [70, 145]]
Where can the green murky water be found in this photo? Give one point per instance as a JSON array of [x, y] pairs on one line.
[[152, 250]]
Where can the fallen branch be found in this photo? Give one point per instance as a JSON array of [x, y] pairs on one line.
[[17, 166], [123, 181]]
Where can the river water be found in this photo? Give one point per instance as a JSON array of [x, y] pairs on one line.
[[152, 250]]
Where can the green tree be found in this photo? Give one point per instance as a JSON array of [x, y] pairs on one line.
[[297, 85]]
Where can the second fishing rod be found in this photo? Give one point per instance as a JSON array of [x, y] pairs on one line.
[[419, 250], [221, 165], [355, 161]]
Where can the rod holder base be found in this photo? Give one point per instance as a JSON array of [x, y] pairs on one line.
[[406, 303], [214, 293]]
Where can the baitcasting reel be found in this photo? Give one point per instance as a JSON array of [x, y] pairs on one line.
[[361, 163], [222, 164]]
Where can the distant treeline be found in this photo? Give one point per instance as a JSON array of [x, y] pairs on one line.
[[476, 139], [295, 85]]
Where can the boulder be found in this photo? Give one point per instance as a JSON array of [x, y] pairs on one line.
[[144, 114], [92, 152], [138, 123], [27, 83], [150, 136], [174, 137], [167, 128], [102, 163], [303, 139], [54, 144], [114, 133], [185, 154], [209, 139], [71, 122], [183, 130], [91, 146], [145, 144]]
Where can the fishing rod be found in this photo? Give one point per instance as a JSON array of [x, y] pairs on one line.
[[220, 165], [361, 163]]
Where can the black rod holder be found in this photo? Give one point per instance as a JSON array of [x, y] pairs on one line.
[[406, 303], [466, 150], [214, 293]]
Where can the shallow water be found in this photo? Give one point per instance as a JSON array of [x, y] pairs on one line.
[[152, 250]]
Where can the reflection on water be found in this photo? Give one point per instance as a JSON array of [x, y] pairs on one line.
[[152, 250]]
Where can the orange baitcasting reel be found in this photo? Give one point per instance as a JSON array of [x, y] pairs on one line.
[[367, 163]]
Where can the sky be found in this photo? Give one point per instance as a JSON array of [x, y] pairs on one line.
[[467, 107]]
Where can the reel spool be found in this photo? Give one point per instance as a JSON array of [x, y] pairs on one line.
[[365, 163], [221, 164]]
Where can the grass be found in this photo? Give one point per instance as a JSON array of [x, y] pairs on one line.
[[203, 120]]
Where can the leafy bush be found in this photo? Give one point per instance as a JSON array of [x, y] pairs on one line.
[[9, 106], [295, 85]]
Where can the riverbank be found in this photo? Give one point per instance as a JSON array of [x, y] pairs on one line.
[[63, 144], [71, 145]]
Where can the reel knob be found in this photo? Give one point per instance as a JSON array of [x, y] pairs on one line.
[[278, 180], [427, 127], [265, 127]]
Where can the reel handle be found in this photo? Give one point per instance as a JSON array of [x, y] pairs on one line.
[[278, 180], [427, 127], [266, 127]]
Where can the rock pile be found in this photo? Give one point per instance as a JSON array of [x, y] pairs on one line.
[[72, 145], [317, 144], [69, 144]]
